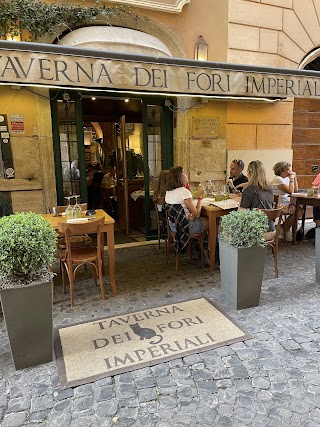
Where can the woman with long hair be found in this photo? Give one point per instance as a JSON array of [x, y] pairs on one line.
[[284, 184], [177, 194], [259, 192]]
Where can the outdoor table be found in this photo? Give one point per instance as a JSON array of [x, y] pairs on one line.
[[213, 213], [108, 228], [304, 200]]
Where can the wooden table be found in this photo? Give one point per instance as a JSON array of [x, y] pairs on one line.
[[107, 228], [304, 200], [213, 213]]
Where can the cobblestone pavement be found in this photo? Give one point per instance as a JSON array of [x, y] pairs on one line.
[[270, 380]]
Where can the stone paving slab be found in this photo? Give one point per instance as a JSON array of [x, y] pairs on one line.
[[270, 380]]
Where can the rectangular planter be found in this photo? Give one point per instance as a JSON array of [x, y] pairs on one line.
[[241, 274], [28, 315]]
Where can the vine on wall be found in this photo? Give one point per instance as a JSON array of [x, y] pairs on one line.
[[39, 18]]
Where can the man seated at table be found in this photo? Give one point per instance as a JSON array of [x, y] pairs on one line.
[[236, 178]]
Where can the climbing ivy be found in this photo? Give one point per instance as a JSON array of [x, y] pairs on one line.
[[39, 18]]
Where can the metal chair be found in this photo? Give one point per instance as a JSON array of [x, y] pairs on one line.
[[77, 256], [272, 239]]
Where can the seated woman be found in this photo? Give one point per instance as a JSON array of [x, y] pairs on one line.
[[259, 192], [285, 183], [182, 206]]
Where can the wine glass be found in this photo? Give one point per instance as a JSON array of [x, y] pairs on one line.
[[76, 208], [69, 208]]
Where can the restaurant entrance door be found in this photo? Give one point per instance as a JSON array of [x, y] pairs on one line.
[[129, 139]]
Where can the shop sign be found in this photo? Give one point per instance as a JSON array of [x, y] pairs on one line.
[[17, 123], [91, 70]]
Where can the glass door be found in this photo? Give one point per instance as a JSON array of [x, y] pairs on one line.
[[68, 150], [122, 175], [158, 155]]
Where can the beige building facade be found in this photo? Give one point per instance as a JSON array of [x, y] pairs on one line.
[[270, 33]]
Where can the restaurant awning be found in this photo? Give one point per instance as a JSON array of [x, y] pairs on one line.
[[49, 65]]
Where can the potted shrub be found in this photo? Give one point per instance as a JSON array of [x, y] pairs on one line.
[[242, 256], [27, 247]]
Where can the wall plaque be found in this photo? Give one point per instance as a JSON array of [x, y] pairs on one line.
[[204, 127]]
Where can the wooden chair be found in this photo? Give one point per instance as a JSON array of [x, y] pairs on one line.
[[161, 220], [273, 238], [172, 236], [75, 240], [77, 256]]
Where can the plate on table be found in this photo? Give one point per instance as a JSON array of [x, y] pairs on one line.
[[208, 200]]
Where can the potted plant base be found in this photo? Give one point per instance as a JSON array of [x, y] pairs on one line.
[[30, 332], [242, 256], [27, 248], [241, 274]]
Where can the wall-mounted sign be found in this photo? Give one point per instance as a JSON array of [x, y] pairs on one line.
[[17, 123], [52, 65], [204, 127]]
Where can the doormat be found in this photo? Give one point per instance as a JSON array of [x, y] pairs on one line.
[[106, 347]]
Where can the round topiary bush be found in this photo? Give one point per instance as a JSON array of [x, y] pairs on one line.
[[244, 228], [27, 245]]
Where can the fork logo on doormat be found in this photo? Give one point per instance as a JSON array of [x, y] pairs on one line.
[[110, 346]]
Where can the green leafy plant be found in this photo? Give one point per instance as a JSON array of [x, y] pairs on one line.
[[27, 245], [40, 18], [244, 228]]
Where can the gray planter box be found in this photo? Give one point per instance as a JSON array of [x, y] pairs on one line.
[[241, 274], [28, 315], [317, 254]]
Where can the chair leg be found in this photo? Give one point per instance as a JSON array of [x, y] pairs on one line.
[[168, 249], [63, 276], [101, 279], [177, 261], [71, 281], [275, 258], [201, 250], [94, 275], [159, 237]]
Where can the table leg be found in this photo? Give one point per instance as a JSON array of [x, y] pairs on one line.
[[212, 238], [111, 256], [294, 226]]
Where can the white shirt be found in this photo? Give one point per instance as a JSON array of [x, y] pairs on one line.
[[178, 196], [283, 196]]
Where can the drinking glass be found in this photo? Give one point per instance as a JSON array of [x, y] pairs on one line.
[[225, 192], [76, 208], [69, 208]]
